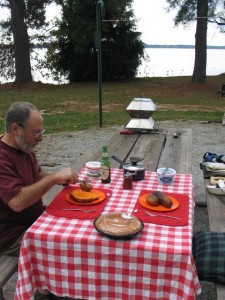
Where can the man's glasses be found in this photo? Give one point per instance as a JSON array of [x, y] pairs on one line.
[[36, 134]]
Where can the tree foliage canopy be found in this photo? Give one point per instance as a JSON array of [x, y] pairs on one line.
[[21, 29], [74, 52]]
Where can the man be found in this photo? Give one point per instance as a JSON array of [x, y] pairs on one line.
[[22, 181]]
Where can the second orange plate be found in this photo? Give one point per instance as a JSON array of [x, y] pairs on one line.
[[101, 197], [142, 201]]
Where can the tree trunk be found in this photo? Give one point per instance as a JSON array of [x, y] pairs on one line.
[[21, 42], [199, 73]]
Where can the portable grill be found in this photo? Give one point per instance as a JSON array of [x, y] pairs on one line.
[[140, 111]]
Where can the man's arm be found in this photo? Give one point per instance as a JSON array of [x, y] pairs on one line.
[[29, 195]]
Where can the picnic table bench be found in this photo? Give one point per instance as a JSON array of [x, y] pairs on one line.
[[216, 216], [8, 266]]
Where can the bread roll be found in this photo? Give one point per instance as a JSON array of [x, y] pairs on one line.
[[152, 199], [85, 186], [164, 200]]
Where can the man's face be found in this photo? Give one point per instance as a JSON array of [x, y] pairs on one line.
[[29, 135]]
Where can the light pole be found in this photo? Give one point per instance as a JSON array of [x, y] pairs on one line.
[[100, 13]]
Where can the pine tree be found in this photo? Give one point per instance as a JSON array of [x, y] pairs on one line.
[[74, 52]]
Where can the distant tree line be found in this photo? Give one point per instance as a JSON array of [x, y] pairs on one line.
[[178, 46]]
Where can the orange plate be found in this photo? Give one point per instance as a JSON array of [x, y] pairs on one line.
[[101, 197], [142, 201]]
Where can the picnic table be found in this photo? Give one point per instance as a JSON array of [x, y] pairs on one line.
[[63, 252], [169, 148]]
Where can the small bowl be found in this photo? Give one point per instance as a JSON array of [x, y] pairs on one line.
[[93, 168], [166, 175]]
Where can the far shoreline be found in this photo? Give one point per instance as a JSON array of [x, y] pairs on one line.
[[181, 46]]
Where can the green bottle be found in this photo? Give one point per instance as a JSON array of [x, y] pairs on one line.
[[105, 166]]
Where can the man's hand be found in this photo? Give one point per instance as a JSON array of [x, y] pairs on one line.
[[66, 176]]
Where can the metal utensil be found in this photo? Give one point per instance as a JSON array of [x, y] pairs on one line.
[[78, 209], [166, 216], [84, 180], [165, 171], [78, 180]]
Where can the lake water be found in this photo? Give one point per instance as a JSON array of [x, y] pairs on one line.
[[163, 62]]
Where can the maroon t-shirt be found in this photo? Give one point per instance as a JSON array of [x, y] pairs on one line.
[[17, 169]]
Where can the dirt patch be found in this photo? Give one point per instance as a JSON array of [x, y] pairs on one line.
[[178, 107]]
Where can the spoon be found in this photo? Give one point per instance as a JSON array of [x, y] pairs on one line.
[[166, 216], [165, 171]]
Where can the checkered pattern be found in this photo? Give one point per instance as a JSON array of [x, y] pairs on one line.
[[208, 251], [70, 258]]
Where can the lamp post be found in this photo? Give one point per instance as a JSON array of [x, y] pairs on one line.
[[100, 13]]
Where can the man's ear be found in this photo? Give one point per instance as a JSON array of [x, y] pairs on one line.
[[14, 128]]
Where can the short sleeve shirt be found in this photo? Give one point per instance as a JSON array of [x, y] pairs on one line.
[[17, 170]]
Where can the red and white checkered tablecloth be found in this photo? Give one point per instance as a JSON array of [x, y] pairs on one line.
[[70, 258]]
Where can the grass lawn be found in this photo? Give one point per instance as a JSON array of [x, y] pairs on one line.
[[75, 106]]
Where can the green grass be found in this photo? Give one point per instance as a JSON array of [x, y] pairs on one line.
[[75, 106], [73, 121]]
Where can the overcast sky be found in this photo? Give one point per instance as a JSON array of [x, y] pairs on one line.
[[157, 26]]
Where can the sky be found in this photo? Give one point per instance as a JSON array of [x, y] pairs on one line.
[[157, 26]]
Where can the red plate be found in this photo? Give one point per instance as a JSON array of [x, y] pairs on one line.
[[101, 197], [142, 201]]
